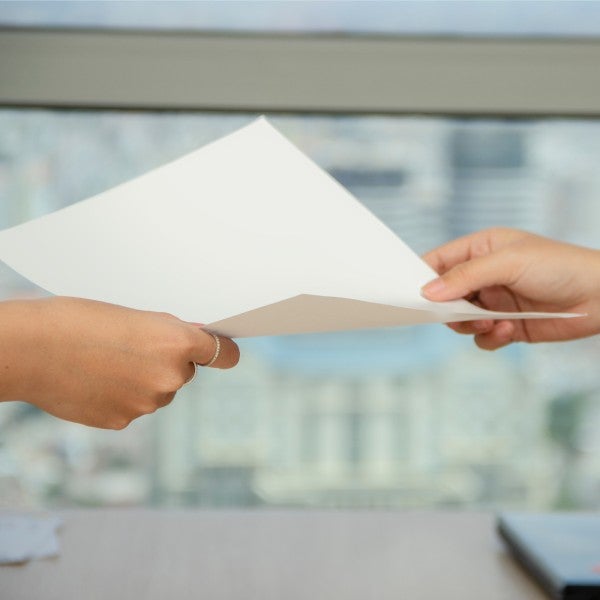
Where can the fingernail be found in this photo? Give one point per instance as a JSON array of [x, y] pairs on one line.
[[433, 288]]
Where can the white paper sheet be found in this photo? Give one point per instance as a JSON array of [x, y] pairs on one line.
[[246, 234], [25, 537]]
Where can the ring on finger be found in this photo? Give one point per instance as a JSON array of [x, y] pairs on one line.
[[193, 374], [217, 351]]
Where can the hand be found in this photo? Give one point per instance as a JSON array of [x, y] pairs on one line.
[[512, 270], [96, 363]]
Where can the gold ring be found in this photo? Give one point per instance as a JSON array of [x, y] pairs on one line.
[[217, 351]]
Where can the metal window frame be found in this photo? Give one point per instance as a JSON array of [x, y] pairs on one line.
[[199, 71]]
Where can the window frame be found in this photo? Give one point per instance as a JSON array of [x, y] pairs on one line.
[[200, 71]]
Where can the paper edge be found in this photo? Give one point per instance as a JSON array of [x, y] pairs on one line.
[[455, 316]]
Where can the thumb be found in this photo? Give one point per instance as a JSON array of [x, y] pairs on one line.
[[498, 268]]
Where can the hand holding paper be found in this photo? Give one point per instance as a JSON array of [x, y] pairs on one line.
[[97, 363], [305, 255], [510, 269]]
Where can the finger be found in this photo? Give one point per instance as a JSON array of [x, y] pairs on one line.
[[458, 251], [165, 399], [500, 268], [445, 257], [472, 327], [501, 335], [227, 351]]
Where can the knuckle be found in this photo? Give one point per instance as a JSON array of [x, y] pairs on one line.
[[168, 383], [181, 342], [120, 423], [148, 408], [497, 231], [159, 400], [167, 315], [166, 400], [513, 258], [172, 377], [480, 247], [461, 275]]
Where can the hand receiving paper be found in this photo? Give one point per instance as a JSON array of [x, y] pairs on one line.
[[99, 364], [512, 270]]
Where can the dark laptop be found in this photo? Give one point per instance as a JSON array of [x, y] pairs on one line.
[[561, 550]]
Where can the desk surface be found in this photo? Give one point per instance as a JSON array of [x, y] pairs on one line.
[[264, 555]]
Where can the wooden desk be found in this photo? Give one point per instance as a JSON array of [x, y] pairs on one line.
[[280, 555]]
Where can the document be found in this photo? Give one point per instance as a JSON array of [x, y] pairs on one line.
[[247, 235], [25, 537]]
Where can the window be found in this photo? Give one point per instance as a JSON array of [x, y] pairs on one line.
[[405, 417], [443, 118]]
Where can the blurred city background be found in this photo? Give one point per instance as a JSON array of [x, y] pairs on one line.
[[530, 18], [406, 417]]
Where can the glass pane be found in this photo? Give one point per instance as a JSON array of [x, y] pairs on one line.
[[400, 417], [465, 17]]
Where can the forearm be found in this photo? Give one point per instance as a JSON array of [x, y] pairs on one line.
[[18, 324]]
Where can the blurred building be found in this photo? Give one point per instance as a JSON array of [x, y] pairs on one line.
[[405, 417]]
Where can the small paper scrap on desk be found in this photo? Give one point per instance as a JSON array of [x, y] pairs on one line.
[[25, 537], [246, 234]]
